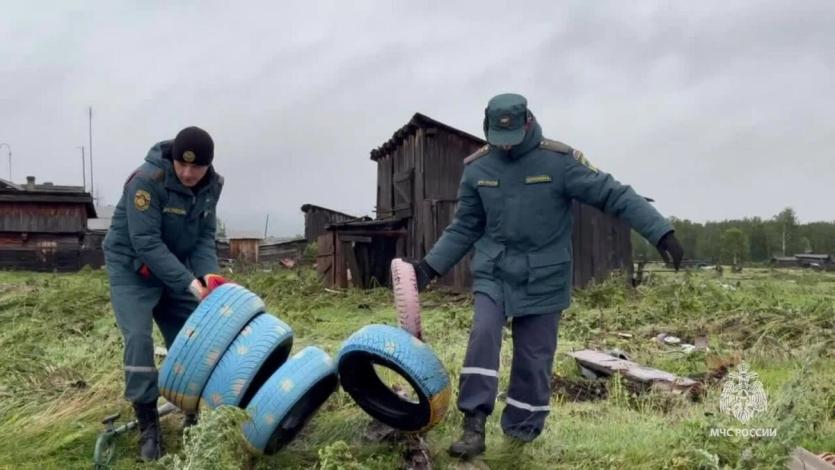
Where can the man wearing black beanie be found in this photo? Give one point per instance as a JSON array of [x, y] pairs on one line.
[[159, 250]]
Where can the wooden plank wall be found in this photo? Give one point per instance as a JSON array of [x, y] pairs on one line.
[[601, 244], [385, 198], [44, 217], [443, 158], [40, 252], [315, 221], [245, 249]]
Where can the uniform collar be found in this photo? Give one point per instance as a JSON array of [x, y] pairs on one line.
[[530, 142]]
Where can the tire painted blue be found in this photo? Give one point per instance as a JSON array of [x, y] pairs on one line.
[[399, 350], [204, 338], [287, 401], [259, 350]]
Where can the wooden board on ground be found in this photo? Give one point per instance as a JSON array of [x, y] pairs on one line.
[[608, 365], [802, 459]]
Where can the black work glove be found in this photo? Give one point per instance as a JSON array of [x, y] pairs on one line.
[[670, 249], [424, 273]]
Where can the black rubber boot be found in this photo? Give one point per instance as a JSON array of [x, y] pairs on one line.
[[471, 443], [150, 439]]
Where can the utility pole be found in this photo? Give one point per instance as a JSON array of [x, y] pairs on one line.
[[83, 168], [784, 239], [90, 128], [10, 160], [267, 224]]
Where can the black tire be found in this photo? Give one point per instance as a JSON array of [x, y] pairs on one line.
[[408, 356]]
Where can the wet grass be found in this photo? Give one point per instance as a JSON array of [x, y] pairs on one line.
[[61, 373]]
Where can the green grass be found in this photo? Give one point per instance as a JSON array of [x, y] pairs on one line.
[[61, 373]]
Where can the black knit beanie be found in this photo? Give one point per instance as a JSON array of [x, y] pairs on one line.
[[193, 145]]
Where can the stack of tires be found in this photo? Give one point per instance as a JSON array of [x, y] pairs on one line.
[[232, 352]]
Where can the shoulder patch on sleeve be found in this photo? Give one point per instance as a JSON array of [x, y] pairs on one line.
[[578, 155], [554, 146], [477, 154], [142, 199]]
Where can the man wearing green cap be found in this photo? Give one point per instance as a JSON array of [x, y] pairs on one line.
[[514, 208], [160, 255]]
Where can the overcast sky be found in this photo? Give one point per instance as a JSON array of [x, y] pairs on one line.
[[715, 109]]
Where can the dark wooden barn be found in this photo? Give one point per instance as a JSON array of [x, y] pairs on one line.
[[43, 227], [316, 218], [418, 172]]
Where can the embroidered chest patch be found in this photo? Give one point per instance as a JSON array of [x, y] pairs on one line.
[[174, 210], [538, 179]]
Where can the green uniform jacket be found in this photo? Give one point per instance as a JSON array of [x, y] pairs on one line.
[[163, 224], [515, 207]]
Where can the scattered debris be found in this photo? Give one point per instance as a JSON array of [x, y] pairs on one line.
[[416, 453], [688, 348], [589, 373], [80, 384], [619, 353], [579, 389], [625, 335], [701, 343], [719, 368], [288, 263], [608, 365], [379, 432], [802, 459], [665, 338]]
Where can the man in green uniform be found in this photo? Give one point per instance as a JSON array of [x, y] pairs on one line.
[[160, 251], [514, 208]]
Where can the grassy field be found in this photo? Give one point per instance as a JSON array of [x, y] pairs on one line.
[[61, 374]]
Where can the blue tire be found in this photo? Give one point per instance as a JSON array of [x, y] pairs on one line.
[[410, 357], [287, 401], [258, 351], [201, 342]]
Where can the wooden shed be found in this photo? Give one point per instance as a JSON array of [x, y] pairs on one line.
[[316, 218], [244, 247], [418, 172], [43, 226]]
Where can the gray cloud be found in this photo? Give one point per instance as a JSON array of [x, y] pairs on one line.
[[716, 110]]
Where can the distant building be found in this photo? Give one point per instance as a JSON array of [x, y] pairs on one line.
[[43, 227], [805, 260]]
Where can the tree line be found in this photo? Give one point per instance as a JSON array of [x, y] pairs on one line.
[[746, 240]]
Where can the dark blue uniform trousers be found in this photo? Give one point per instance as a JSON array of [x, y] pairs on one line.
[[136, 302], [534, 345]]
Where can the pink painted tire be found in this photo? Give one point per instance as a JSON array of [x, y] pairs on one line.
[[406, 300]]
